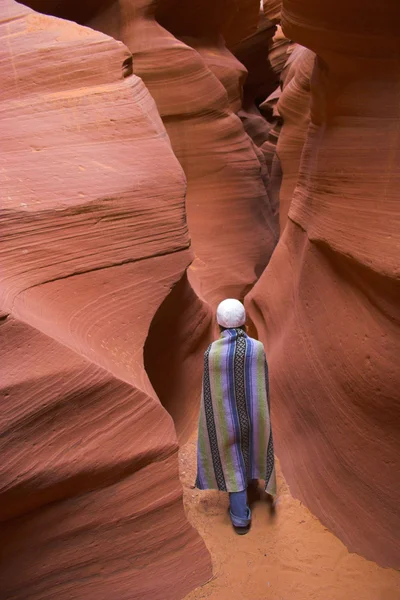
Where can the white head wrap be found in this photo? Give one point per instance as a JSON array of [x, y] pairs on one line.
[[231, 313]]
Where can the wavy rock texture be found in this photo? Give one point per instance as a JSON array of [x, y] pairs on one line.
[[93, 239], [264, 54], [294, 108], [327, 307], [181, 329], [253, 82], [96, 302], [253, 53], [272, 10], [180, 54], [279, 51], [226, 198], [280, 48]]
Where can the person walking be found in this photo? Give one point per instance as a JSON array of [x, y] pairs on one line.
[[235, 444]]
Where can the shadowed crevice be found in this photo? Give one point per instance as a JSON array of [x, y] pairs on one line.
[[181, 328], [80, 11]]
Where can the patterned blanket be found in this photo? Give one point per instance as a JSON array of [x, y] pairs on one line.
[[235, 439]]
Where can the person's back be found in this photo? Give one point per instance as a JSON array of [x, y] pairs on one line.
[[235, 443]]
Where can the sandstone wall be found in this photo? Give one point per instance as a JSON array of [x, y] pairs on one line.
[[93, 239], [327, 306], [188, 76]]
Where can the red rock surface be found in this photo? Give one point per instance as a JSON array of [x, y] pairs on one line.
[[262, 120], [293, 107], [280, 49], [98, 304], [225, 190], [235, 20], [93, 239], [179, 52], [272, 10], [253, 53], [327, 306], [180, 331]]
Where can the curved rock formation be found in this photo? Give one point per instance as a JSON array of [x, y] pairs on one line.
[[179, 52], [99, 306], [253, 53], [272, 10], [180, 331], [225, 191], [235, 20], [280, 49], [327, 306], [293, 107], [93, 239]]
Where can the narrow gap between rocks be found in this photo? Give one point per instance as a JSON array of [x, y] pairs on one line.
[[179, 328]]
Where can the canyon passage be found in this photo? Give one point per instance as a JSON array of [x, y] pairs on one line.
[[158, 156]]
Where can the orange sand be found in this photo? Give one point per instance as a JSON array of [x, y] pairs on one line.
[[291, 556]]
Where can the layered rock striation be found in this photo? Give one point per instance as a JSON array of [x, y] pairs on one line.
[[327, 306], [93, 239]]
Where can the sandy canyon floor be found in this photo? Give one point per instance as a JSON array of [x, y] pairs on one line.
[[286, 556]]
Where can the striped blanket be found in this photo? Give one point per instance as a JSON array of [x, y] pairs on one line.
[[235, 440]]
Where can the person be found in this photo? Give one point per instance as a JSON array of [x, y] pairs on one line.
[[235, 444]]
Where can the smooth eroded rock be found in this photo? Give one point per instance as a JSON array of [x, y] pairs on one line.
[[93, 239], [226, 198], [327, 306]]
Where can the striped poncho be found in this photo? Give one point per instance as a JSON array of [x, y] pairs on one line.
[[235, 439]]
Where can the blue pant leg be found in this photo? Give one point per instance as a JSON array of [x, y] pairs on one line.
[[239, 511]]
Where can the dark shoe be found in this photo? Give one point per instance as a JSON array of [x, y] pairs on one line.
[[242, 530]]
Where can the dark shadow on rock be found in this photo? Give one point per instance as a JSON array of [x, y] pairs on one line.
[[178, 336]]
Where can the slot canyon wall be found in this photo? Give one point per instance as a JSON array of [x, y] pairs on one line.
[[328, 305], [146, 176], [93, 239], [180, 55], [104, 304]]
